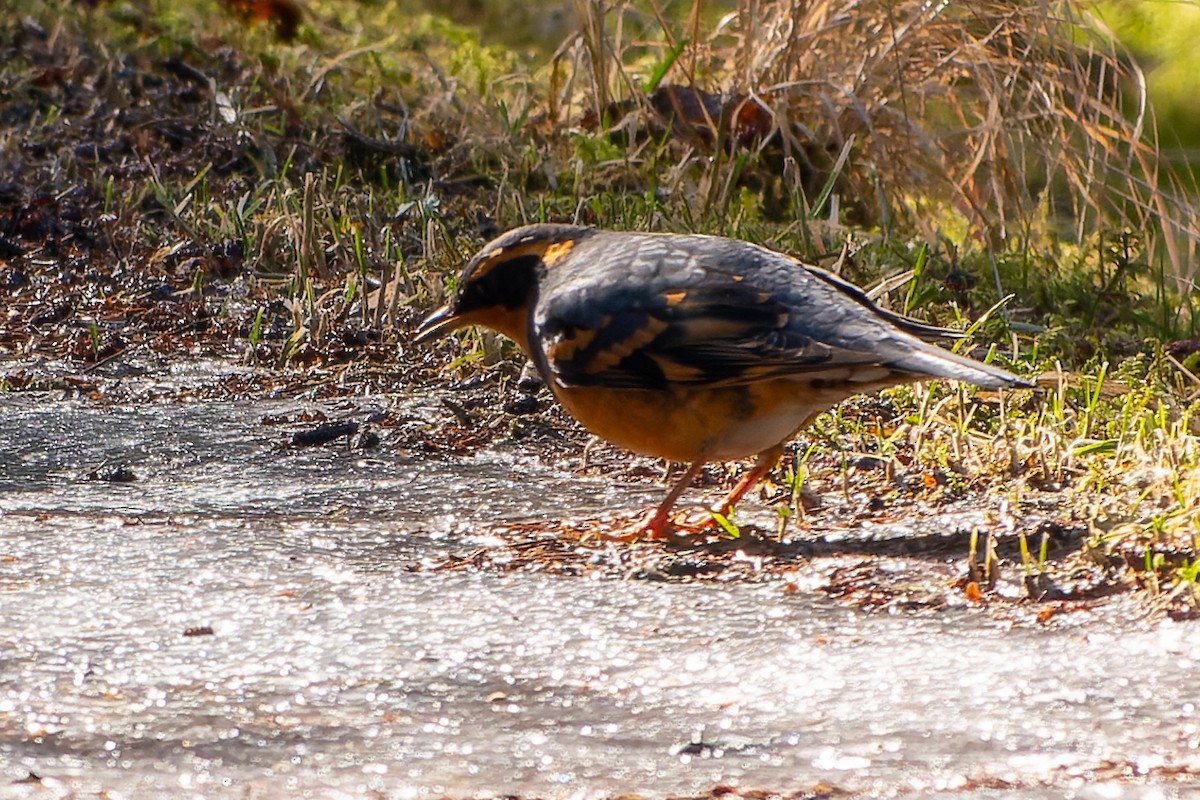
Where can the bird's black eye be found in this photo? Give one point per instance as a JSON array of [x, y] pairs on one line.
[[509, 283]]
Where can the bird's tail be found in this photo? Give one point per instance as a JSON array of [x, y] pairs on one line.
[[926, 359]]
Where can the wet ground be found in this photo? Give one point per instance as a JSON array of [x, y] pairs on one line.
[[192, 606]]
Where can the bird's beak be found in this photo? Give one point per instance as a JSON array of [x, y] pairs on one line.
[[439, 323]]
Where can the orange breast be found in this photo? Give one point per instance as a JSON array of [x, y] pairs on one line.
[[693, 424]]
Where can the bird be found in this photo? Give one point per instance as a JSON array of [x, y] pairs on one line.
[[690, 347]]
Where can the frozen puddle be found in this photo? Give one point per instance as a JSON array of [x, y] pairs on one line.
[[336, 666]]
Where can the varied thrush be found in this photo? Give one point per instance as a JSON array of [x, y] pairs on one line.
[[691, 348]]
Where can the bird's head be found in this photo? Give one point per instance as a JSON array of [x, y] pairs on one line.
[[499, 285]]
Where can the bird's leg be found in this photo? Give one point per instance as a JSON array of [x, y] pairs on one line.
[[767, 460], [658, 522]]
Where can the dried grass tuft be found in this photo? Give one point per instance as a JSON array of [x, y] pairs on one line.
[[999, 111]]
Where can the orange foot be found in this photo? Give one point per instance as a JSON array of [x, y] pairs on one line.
[[656, 525]]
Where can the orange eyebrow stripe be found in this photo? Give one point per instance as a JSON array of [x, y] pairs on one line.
[[557, 252]]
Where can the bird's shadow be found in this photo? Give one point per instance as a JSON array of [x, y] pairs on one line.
[[753, 540]]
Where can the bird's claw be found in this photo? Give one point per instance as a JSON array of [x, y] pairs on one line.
[[655, 526]]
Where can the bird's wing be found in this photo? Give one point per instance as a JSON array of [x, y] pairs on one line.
[[711, 326], [921, 330], [659, 310]]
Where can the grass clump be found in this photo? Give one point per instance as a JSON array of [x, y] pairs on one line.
[[1002, 128]]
